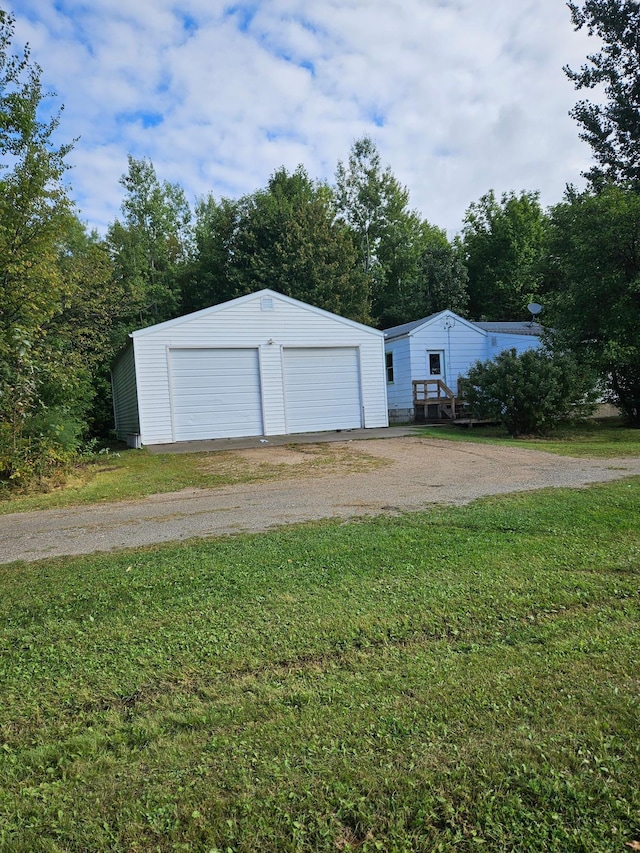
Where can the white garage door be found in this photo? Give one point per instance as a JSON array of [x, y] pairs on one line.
[[215, 393], [322, 389]]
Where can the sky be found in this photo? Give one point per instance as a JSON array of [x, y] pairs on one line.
[[460, 96]]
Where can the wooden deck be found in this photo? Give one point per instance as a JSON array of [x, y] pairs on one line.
[[433, 401]]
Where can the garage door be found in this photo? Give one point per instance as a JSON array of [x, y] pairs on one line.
[[215, 393], [322, 389]]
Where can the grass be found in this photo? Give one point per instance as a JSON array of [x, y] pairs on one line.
[[457, 679], [132, 474], [593, 438]]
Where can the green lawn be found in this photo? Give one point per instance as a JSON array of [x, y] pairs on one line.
[[450, 680], [593, 438]]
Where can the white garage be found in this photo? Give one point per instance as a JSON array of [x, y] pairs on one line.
[[262, 364]]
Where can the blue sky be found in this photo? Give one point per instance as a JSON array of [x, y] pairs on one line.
[[460, 96]]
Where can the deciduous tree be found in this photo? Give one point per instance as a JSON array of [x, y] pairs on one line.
[[285, 237], [410, 266], [368, 198], [595, 272], [210, 277], [88, 327], [421, 273], [151, 245], [35, 212], [612, 127], [503, 244]]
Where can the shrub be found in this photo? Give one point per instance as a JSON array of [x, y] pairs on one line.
[[529, 393], [41, 449]]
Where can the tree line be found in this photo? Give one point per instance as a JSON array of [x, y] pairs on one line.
[[354, 246]]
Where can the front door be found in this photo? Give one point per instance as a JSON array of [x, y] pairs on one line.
[[435, 364]]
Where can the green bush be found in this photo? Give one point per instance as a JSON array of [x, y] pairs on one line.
[[529, 393], [45, 446]]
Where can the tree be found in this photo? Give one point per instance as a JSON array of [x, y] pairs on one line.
[[152, 244], [442, 278], [368, 198], [410, 267], [612, 128], [88, 327], [529, 393], [594, 269], [445, 277], [421, 274], [35, 212], [395, 280], [209, 278], [503, 244], [285, 237]]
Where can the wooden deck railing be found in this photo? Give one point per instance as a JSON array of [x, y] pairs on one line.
[[434, 392], [430, 389]]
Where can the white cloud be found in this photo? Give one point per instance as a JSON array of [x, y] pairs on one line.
[[460, 96]]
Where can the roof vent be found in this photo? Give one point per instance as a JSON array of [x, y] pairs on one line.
[[266, 303]]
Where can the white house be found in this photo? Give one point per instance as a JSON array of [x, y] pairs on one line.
[[444, 346], [262, 364]]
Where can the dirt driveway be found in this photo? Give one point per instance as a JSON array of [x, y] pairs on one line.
[[381, 476]]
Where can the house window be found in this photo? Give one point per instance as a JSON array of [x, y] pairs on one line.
[[389, 365], [435, 364]]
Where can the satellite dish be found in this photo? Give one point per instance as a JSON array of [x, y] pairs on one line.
[[534, 308]]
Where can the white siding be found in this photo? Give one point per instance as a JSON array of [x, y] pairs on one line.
[[125, 399], [373, 386], [400, 391], [243, 324], [154, 399], [462, 344], [497, 343]]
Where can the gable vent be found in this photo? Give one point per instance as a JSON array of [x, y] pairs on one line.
[[266, 303]]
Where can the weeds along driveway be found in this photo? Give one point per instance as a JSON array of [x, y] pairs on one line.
[[396, 475]]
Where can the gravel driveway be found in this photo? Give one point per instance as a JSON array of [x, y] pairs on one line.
[[413, 473]]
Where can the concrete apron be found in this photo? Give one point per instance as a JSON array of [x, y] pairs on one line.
[[214, 445]]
